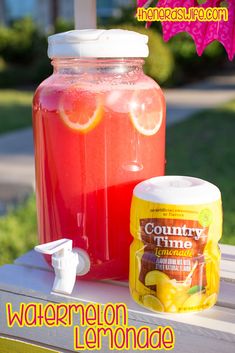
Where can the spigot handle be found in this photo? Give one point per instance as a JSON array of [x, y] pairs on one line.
[[67, 263], [53, 247]]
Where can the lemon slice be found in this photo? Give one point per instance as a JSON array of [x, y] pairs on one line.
[[147, 110], [154, 277], [195, 301], [211, 300], [153, 303], [80, 109]]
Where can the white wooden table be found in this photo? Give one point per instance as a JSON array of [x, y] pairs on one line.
[[30, 279]]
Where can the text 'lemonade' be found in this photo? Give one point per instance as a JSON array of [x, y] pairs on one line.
[[99, 129]]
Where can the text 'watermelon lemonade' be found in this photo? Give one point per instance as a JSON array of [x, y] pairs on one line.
[[99, 129], [176, 223]]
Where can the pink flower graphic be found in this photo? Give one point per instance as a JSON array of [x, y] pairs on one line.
[[203, 33]]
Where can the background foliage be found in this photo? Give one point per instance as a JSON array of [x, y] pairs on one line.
[[192, 145], [24, 61]]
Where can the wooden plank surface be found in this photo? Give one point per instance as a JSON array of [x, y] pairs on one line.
[[187, 338], [36, 285], [30, 279], [12, 345], [36, 260]]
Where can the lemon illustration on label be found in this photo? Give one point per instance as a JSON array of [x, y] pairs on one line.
[[205, 217], [211, 300], [153, 303], [155, 277]]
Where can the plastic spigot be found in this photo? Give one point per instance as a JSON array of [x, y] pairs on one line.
[[67, 263]]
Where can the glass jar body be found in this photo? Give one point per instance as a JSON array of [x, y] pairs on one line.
[[99, 129]]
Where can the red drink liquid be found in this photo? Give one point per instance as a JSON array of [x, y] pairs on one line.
[[96, 137]]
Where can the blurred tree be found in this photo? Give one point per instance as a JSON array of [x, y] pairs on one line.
[[2, 12], [54, 12]]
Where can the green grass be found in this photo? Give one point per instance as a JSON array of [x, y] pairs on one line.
[[15, 110], [204, 146], [18, 232]]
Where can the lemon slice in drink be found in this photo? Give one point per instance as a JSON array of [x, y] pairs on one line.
[[147, 111], [80, 109]]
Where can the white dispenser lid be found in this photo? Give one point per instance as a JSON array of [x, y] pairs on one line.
[[177, 190], [98, 43]]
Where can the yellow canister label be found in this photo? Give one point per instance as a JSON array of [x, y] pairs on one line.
[[174, 257]]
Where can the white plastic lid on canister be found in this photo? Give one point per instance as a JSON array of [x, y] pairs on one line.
[[177, 190], [98, 43]]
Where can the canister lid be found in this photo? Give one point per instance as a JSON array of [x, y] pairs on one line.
[[177, 190], [98, 43]]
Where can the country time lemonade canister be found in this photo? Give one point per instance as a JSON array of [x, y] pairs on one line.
[[176, 223]]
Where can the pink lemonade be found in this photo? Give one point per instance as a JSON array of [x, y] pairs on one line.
[[97, 134]]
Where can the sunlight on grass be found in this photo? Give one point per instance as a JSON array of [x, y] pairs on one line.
[[15, 109], [204, 146], [18, 232]]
